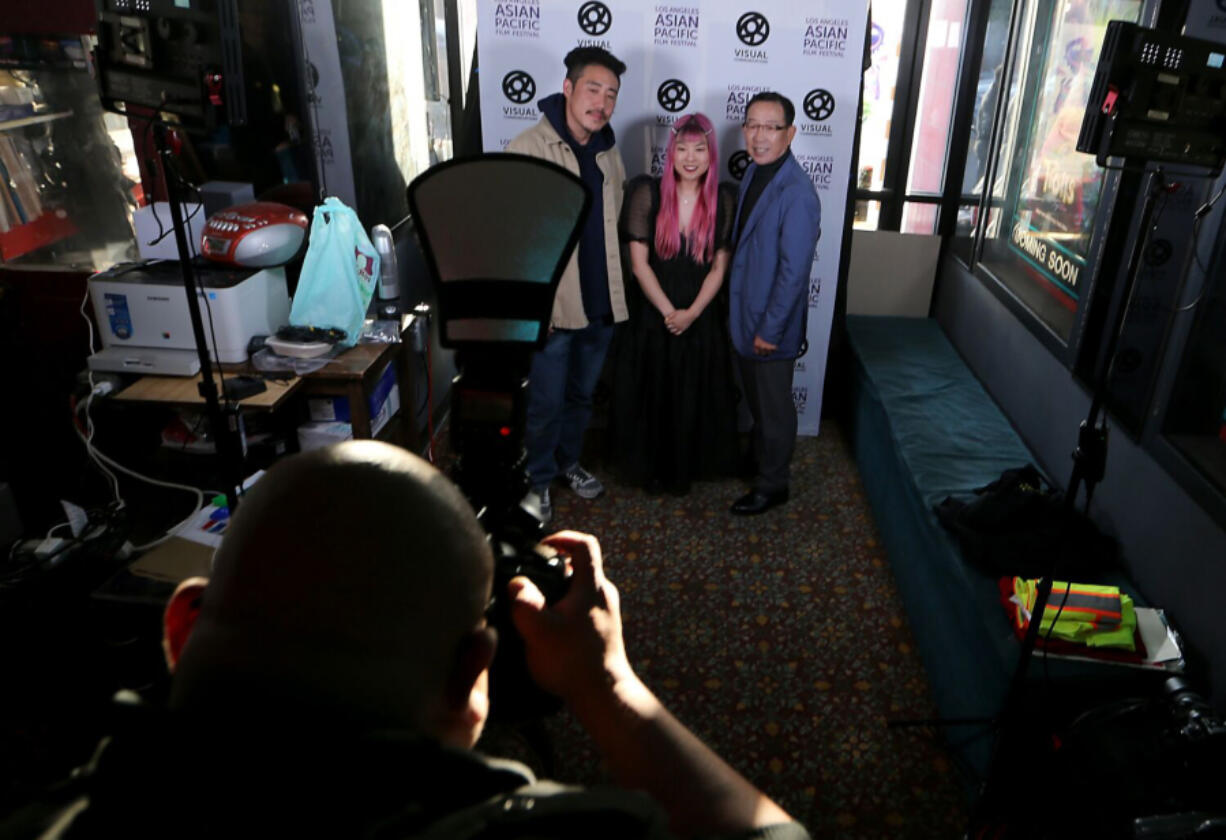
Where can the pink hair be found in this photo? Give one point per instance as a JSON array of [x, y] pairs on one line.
[[702, 223]]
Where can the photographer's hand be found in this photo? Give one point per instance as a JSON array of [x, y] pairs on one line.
[[575, 650]]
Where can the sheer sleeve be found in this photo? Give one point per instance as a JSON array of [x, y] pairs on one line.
[[726, 209], [639, 210]]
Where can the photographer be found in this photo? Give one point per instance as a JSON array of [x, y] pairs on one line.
[[334, 683]]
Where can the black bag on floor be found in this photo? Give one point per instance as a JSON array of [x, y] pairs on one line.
[[1018, 525]]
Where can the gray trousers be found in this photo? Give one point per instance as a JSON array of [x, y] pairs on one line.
[[768, 391]]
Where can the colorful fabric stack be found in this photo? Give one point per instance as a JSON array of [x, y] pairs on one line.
[[1081, 613]]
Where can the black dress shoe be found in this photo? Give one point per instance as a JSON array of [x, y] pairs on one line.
[[756, 502]]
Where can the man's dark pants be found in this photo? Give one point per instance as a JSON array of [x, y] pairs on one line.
[[560, 384], [768, 391]]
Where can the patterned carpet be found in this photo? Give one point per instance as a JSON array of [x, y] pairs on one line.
[[780, 640]]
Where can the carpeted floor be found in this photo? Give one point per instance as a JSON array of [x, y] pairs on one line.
[[780, 640]]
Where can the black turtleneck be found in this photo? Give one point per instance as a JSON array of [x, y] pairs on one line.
[[762, 175]]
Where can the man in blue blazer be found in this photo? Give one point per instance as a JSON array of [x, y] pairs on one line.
[[778, 222]]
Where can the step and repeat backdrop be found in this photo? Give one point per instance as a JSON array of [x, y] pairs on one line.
[[701, 56]]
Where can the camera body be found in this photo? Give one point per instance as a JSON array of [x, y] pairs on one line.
[[488, 401]]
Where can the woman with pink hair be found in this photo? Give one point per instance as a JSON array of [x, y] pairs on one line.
[[673, 416]]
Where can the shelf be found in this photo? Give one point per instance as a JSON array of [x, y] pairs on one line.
[[22, 122], [50, 227]]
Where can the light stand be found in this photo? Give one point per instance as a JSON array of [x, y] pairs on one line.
[[224, 422], [1157, 97], [1089, 466], [147, 66]]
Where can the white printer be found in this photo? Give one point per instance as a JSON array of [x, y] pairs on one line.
[[145, 325]]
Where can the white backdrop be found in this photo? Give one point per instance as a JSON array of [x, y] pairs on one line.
[[706, 56]]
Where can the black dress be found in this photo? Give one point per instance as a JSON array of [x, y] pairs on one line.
[[673, 413]]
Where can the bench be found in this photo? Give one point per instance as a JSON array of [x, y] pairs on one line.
[[922, 428]]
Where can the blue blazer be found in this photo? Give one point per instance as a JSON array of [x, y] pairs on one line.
[[768, 284]]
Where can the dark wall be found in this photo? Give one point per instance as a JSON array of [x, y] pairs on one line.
[[1173, 550], [36, 17]]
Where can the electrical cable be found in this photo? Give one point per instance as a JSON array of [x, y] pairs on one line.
[[102, 460], [187, 488], [1199, 216], [221, 377], [89, 420], [157, 170], [313, 98], [429, 400]]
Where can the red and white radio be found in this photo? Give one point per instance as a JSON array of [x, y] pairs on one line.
[[259, 234]]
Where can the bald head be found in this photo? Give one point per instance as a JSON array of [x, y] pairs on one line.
[[347, 581]]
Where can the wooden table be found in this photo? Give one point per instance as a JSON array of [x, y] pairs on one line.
[[353, 375], [183, 390]]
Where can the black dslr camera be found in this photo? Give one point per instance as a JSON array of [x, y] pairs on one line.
[[496, 232], [488, 399]]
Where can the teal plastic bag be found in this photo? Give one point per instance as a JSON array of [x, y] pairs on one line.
[[339, 273]]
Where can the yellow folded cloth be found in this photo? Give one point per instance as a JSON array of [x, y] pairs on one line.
[[1082, 613]]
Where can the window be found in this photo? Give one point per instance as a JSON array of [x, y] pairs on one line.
[[1044, 193], [990, 71], [885, 43], [909, 92]]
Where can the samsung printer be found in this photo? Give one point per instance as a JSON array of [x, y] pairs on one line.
[[145, 325]]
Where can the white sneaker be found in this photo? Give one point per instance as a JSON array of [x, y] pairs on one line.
[[539, 503], [585, 485]]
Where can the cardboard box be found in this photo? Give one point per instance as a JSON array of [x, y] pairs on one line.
[[383, 402], [319, 435]]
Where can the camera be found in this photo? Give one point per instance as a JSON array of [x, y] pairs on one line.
[[496, 232], [488, 401]]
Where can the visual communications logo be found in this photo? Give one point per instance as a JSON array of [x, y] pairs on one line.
[[518, 20], [818, 105], [676, 26], [752, 28], [738, 162], [519, 88], [595, 18], [825, 37], [673, 95]]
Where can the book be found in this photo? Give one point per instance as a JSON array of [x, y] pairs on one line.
[[1159, 648]]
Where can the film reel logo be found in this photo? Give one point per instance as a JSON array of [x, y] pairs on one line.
[[673, 95], [518, 87], [753, 28], [738, 163], [819, 104], [595, 18]]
